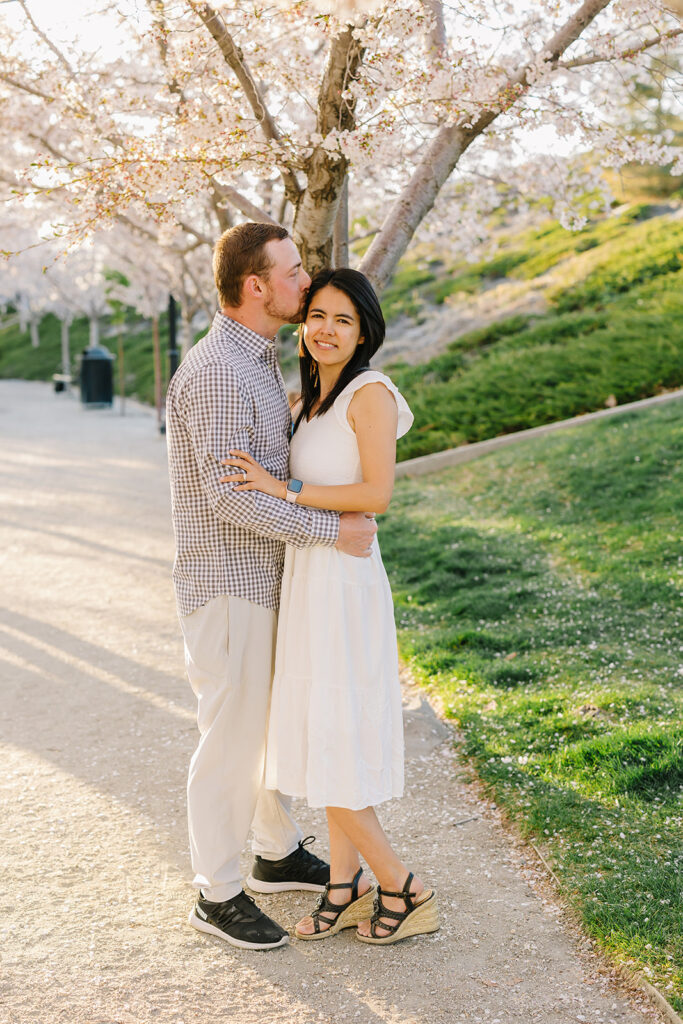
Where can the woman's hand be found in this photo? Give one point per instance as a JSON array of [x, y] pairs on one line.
[[253, 476]]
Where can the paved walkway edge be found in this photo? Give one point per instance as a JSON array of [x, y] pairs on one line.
[[464, 453], [655, 995]]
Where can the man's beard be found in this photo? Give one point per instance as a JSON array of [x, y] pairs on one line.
[[280, 312]]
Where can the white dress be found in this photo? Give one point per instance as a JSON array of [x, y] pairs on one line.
[[335, 734]]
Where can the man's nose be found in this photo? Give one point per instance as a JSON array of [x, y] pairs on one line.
[[305, 280]]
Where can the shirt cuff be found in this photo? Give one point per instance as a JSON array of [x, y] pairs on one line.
[[324, 527]]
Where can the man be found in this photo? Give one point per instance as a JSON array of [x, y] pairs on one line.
[[228, 393]]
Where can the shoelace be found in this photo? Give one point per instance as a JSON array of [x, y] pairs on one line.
[[301, 850]]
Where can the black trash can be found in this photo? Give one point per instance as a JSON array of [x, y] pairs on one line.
[[96, 377]]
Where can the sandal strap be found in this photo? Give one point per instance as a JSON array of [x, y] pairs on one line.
[[352, 885], [324, 907], [405, 893], [395, 915], [388, 928]]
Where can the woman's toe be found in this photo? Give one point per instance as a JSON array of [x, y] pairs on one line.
[[306, 926], [364, 928]]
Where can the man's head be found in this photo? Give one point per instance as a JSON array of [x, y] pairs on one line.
[[258, 272]]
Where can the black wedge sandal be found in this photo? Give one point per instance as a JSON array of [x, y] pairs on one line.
[[417, 919], [347, 915]]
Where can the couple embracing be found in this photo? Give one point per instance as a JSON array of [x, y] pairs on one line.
[[284, 603]]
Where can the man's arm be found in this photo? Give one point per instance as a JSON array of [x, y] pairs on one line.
[[218, 417]]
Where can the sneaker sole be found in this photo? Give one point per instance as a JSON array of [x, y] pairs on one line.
[[258, 885], [210, 929]]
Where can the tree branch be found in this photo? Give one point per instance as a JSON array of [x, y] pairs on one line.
[[447, 147], [234, 58], [22, 87], [179, 250], [241, 203], [156, 8], [600, 58], [48, 42], [437, 35], [343, 60]]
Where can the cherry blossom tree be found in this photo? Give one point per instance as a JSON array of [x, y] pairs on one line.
[[410, 112]]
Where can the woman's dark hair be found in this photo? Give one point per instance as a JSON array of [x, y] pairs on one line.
[[372, 329]]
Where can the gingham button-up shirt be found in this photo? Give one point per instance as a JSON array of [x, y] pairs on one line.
[[228, 393]]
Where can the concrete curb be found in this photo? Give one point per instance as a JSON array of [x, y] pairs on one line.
[[466, 452]]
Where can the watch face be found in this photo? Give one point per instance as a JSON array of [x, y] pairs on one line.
[[295, 486]]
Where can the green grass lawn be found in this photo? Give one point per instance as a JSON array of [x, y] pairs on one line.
[[538, 592]]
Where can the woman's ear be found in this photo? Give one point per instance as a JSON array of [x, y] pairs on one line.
[[361, 340]]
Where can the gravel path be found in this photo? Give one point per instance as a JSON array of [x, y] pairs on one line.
[[97, 729]]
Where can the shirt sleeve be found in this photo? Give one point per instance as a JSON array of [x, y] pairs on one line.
[[219, 416]]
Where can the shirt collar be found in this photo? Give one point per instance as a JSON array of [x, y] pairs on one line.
[[251, 342]]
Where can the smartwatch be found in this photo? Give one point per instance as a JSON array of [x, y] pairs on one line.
[[293, 489]]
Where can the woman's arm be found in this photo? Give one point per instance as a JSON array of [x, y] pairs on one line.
[[373, 414]]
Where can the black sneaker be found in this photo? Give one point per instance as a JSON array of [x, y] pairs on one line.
[[239, 921], [300, 870]]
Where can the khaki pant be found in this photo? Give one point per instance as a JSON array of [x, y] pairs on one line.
[[229, 656]]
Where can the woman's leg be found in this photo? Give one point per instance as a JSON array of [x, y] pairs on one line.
[[344, 864], [364, 833]]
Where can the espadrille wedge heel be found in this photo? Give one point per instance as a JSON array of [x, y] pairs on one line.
[[418, 918], [346, 915]]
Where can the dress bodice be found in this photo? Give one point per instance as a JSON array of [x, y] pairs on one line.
[[324, 450]]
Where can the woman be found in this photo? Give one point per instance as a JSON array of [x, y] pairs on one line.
[[335, 734]]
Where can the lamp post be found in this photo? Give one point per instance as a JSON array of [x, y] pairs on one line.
[[172, 341]]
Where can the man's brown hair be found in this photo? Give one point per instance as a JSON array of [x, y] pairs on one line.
[[239, 252]]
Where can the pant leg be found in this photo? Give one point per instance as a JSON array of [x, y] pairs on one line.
[[229, 656]]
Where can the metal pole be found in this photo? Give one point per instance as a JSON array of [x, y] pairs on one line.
[[172, 342]]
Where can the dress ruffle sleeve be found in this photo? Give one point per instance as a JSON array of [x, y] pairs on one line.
[[341, 405]]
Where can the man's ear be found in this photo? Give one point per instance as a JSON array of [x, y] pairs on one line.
[[252, 286]]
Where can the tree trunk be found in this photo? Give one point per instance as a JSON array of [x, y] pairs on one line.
[[316, 212], [341, 228], [122, 375], [185, 333], [66, 355], [35, 337], [94, 331], [317, 206]]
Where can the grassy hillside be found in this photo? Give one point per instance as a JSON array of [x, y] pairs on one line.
[[615, 333], [538, 593]]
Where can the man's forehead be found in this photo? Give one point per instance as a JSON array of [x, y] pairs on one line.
[[283, 253]]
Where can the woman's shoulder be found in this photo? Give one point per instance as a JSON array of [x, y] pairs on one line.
[[365, 377], [383, 383]]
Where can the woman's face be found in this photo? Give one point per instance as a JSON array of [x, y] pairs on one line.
[[332, 328]]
